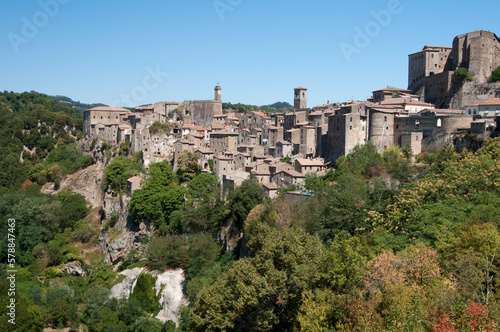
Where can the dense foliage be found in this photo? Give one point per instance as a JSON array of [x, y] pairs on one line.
[[243, 108], [31, 126], [463, 74], [495, 75], [119, 170]]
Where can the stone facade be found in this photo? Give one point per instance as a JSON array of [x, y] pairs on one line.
[[300, 98], [222, 140], [381, 128], [436, 129], [346, 129], [477, 51], [307, 141], [103, 122], [429, 61]]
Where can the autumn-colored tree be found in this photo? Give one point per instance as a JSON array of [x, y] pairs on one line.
[[473, 317]]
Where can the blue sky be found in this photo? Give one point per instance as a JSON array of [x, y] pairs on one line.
[[127, 53]]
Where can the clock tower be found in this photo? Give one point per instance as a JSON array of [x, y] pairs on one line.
[[218, 93]]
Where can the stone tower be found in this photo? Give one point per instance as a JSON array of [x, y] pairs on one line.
[[300, 98], [218, 93]]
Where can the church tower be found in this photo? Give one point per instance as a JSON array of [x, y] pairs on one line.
[[218, 93], [300, 98]]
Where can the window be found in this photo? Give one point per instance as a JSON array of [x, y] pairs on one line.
[[363, 128], [351, 118]]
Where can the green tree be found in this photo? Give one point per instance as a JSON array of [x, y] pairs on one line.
[[146, 324], [159, 198], [145, 294], [167, 252], [187, 165], [119, 170], [61, 306], [264, 292], [243, 199], [95, 302]]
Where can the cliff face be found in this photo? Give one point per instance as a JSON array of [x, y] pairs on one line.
[[86, 182], [125, 235], [473, 93]]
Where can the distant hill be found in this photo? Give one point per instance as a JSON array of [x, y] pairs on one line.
[[243, 108], [75, 104], [278, 105]]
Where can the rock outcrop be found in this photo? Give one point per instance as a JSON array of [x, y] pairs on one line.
[[73, 269], [86, 182], [125, 235], [170, 283], [123, 289]]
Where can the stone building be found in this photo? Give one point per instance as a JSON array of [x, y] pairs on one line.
[[414, 140], [133, 184], [102, 122], [307, 141], [201, 112], [431, 71], [270, 190], [347, 128], [275, 135], [204, 155], [431, 60], [288, 178], [388, 93], [300, 98], [222, 140], [305, 166], [223, 166], [436, 129], [478, 51], [381, 127], [283, 149], [241, 160]]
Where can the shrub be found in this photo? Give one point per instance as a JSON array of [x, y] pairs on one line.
[[463, 74], [495, 75]]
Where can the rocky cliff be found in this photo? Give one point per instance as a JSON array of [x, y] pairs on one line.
[[170, 283]]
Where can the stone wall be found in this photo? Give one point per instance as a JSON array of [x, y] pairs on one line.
[[381, 129], [201, 112]]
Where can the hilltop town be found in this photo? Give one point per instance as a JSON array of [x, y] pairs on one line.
[[450, 97]]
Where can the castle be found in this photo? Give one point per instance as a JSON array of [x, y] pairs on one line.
[[430, 71]]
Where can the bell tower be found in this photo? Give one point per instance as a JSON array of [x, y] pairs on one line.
[[218, 93], [300, 98]]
